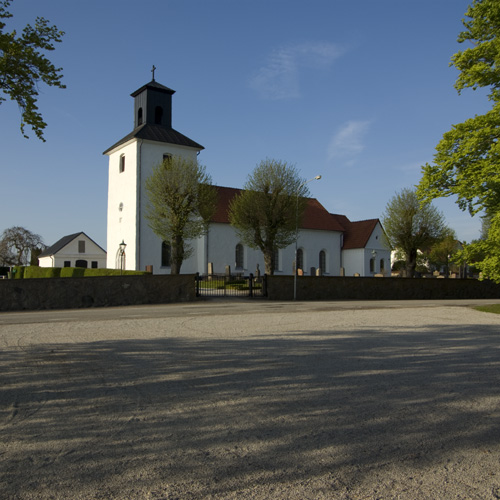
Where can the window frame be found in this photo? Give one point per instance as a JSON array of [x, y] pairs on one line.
[[239, 256], [322, 261], [300, 260]]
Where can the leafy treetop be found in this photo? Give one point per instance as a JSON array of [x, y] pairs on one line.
[[23, 65]]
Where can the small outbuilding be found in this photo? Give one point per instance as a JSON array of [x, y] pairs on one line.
[[74, 250]]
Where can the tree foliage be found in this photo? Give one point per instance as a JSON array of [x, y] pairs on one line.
[[269, 209], [442, 253], [412, 226], [467, 159], [17, 245], [23, 65], [182, 201]]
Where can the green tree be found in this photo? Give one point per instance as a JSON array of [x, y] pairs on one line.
[[17, 245], [467, 159], [269, 209], [23, 65], [442, 253], [182, 201], [412, 226]]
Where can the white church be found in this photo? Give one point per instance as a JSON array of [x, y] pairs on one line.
[[328, 244]]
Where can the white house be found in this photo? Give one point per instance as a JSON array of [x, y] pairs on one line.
[[74, 250], [330, 243]]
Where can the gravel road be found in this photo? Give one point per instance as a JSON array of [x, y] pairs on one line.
[[251, 400]]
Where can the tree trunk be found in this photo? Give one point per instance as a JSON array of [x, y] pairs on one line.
[[269, 262], [177, 255], [411, 263]]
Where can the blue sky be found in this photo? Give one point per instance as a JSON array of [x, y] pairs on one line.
[[359, 92]]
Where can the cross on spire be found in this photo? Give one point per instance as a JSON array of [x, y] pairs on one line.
[[153, 71]]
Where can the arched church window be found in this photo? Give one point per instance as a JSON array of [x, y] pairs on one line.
[[139, 117], [166, 254], [239, 256], [372, 265], [300, 259], [122, 163], [322, 261], [382, 265], [158, 115]]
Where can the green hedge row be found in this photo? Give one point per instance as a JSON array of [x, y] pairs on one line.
[[20, 272]]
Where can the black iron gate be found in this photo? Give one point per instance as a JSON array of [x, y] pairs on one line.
[[221, 285]]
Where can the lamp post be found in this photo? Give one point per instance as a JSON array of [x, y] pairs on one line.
[[123, 245], [317, 178]]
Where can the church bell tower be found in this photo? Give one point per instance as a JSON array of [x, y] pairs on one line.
[[131, 161]]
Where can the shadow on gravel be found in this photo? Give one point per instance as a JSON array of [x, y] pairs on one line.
[[200, 418]]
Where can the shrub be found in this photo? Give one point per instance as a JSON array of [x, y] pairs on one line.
[[20, 272], [41, 272]]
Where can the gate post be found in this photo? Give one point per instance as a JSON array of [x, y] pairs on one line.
[[250, 285], [197, 278]]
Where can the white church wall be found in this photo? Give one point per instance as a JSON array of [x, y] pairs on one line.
[[151, 155], [222, 241], [354, 261], [378, 243], [312, 242], [122, 205]]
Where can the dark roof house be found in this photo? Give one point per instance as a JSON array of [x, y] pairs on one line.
[[73, 250]]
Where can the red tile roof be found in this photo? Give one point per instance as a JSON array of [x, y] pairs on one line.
[[224, 198], [315, 215], [356, 234]]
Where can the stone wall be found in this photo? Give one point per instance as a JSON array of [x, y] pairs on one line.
[[107, 291], [110, 291], [351, 288]]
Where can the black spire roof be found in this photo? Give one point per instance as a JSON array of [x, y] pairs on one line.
[[153, 118]]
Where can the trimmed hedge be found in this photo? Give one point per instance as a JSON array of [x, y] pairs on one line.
[[22, 272]]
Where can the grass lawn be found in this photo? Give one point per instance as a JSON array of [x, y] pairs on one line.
[[492, 308]]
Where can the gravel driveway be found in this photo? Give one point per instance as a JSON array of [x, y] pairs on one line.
[[261, 401]]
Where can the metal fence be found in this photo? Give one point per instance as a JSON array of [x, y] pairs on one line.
[[221, 285]]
